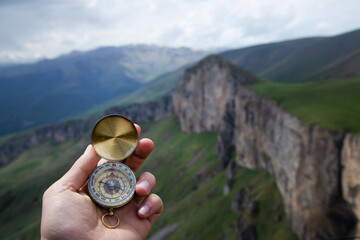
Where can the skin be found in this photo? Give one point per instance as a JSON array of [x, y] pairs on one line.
[[69, 213]]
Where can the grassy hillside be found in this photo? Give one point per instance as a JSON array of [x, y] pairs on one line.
[[297, 60], [260, 59], [191, 186], [23, 182], [334, 104], [188, 180], [346, 67]]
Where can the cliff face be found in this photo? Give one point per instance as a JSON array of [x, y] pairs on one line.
[[350, 161], [202, 92], [320, 198], [75, 129]]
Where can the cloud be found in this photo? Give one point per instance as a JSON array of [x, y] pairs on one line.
[[39, 28]]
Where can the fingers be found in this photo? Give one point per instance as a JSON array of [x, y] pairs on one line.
[[143, 149], [151, 208], [145, 183], [78, 174]]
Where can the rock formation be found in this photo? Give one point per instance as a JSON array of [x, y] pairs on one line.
[[350, 178], [320, 197], [243, 203]]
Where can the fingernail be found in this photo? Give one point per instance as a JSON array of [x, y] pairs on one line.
[[145, 185], [144, 210]]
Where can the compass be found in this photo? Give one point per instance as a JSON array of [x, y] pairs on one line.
[[112, 184]]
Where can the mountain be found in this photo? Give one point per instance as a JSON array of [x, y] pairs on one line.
[[271, 171], [51, 90], [227, 156], [149, 91], [346, 67], [300, 60]]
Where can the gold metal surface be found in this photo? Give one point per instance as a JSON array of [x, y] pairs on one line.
[[111, 213], [114, 137]]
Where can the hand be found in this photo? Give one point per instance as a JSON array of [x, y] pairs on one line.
[[69, 213]]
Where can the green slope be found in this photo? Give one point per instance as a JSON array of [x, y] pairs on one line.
[[188, 180], [297, 60], [261, 59], [346, 67], [191, 186], [23, 182], [334, 104], [302, 65]]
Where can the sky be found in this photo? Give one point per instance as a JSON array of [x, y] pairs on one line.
[[35, 29]]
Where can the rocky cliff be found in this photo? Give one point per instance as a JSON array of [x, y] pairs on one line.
[[75, 129], [316, 170]]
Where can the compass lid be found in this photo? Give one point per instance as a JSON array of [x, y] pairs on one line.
[[114, 137]]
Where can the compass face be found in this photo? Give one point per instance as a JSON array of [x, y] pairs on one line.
[[112, 184]]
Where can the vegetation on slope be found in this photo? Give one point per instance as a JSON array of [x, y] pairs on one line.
[[261, 59], [332, 104], [343, 68], [191, 185], [188, 180], [298, 60], [23, 182]]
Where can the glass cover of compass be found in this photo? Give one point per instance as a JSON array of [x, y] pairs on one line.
[[112, 184]]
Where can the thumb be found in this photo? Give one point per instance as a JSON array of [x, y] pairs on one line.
[[78, 174]]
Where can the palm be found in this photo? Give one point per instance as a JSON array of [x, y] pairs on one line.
[[86, 221], [69, 213]]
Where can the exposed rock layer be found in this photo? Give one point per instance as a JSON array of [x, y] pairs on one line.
[[320, 199]]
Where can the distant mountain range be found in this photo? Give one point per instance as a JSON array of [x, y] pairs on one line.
[[51, 90], [339, 57]]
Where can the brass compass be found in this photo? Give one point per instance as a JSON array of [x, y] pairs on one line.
[[112, 184]]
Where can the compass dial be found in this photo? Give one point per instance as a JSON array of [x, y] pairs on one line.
[[112, 184]]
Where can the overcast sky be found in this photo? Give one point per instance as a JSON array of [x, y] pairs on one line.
[[33, 29]]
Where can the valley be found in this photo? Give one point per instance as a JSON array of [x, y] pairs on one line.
[[188, 176], [234, 152]]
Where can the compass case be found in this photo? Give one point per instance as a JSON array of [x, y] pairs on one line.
[[114, 137]]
